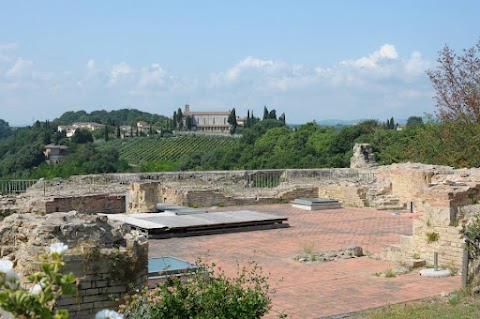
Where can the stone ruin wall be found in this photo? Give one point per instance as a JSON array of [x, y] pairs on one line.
[[102, 203], [105, 256], [442, 210], [143, 196]]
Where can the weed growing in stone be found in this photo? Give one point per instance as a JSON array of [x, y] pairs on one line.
[[309, 246], [432, 237], [389, 273]]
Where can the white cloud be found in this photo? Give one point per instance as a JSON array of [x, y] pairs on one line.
[[20, 68], [415, 65], [8, 46], [386, 51], [90, 65], [248, 65], [153, 75], [6, 52], [119, 71]]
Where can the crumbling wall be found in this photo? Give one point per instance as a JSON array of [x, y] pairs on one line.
[[407, 182], [440, 213], [143, 196], [347, 193], [107, 257], [101, 203]]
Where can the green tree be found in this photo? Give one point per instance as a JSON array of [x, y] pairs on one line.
[[272, 115], [174, 120], [414, 121], [82, 136], [247, 121], [5, 130], [106, 133], [188, 122], [179, 119], [232, 118], [265, 113]]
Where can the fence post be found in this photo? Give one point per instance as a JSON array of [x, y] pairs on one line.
[[465, 265]]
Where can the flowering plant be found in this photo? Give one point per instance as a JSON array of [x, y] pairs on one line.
[[47, 286]]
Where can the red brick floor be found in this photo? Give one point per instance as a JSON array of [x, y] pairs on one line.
[[318, 289]]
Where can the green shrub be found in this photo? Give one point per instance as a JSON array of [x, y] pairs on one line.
[[432, 236], [205, 295]]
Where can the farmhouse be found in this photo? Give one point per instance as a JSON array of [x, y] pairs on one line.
[[208, 121], [70, 129], [54, 154]]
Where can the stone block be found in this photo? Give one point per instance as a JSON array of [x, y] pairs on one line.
[[415, 263]]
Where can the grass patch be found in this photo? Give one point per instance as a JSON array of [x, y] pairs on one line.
[[389, 273], [432, 236], [456, 306], [309, 246]]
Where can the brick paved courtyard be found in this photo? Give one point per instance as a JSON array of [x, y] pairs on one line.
[[316, 290]]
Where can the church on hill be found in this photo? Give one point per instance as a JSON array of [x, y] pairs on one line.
[[208, 121]]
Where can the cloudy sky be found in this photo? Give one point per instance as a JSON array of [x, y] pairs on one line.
[[310, 59]]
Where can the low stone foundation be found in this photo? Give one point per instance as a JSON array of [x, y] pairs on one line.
[[100, 203]]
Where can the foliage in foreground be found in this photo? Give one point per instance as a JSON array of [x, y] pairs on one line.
[[205, 295], [48, 285]]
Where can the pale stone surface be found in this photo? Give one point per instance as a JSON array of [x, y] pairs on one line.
[[430, 272], [363, 156]]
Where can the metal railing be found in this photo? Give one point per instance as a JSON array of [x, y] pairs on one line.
[[247, 179], [16, 186]]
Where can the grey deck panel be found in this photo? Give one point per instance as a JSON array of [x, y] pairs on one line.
[[152, 221], [313, 201], [209, 219]]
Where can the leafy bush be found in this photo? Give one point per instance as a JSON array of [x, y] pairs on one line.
[[205, 295]]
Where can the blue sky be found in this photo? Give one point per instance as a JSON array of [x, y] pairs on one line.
[[310, 59]]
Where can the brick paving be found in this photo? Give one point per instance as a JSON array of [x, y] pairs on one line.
[[316, 290]]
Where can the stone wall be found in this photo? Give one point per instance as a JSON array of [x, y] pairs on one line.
[[348, 194], [440, 213], [143, 196], [407, 182], [106, 257], [100, 203]]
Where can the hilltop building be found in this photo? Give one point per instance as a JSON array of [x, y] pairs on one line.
[[208, 121]]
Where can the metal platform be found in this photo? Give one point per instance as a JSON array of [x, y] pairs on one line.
[[161, 225], [178, 210], [316, 203]]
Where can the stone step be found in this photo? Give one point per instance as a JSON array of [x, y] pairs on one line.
[[415, 263]]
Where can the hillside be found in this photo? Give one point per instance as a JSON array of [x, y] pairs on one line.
[[153, 149]]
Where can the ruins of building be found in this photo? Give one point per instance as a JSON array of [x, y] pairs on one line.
[[442, 198]]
